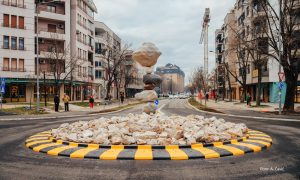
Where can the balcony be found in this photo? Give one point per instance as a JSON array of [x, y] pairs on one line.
[[51, 15], [51, 55], [8, 3], [58, 35]]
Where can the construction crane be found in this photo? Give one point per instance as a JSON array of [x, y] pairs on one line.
[[204, 38]]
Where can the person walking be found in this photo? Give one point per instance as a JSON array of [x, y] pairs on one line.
[[56, 103], [91, 101], [66, 100], [122, 97], [248, 99]]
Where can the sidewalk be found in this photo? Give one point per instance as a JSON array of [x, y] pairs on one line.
[[237, 108], [74, 110]]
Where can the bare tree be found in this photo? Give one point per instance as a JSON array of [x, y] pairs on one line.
[[283, 22], [114, 61], [58, 62]]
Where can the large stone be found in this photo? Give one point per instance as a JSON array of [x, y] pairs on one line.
[[154, 129], [152, 79], [146, 55], [147, 95]]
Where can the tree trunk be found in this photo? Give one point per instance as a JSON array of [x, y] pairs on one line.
[[291, 84], [229, 86], [258, 87], [108, 90]]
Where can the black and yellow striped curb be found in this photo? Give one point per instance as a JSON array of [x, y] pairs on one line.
[[45, 143]]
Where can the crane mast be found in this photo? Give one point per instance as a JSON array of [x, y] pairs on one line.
[[204, 38]]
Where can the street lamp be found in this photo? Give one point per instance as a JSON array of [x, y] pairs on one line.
[[37, 3]]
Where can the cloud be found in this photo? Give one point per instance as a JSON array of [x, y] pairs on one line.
[[173, 25]]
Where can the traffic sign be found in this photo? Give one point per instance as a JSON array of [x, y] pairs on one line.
[[2, 86], [281, 85], [156, 102]]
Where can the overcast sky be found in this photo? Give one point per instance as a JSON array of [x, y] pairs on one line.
[[173, 25]]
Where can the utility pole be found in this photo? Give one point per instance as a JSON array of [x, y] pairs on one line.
[[45, 89], [37, 59]]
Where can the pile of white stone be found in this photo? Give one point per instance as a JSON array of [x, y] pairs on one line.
[[155, 129]]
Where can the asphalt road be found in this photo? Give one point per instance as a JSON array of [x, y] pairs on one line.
[[281, 161]]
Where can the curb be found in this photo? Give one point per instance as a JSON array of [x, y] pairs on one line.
[[44, 142], [240, 116], [67, 116]]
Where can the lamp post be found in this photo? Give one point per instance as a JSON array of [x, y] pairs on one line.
[[37, 3]]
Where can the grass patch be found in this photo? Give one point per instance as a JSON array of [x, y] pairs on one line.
[[122, 107], [199, 106], [24, 111]]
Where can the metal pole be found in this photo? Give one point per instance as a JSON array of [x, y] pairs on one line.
[[37, 60], [45, 89], [280, 46]]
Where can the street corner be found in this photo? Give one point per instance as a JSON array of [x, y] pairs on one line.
[[43, 142]]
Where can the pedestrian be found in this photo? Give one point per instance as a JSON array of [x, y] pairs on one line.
[[91, 101], [216, 97], [206, 96], [122, 97], [248, 99], [56, 102], [66, 100]]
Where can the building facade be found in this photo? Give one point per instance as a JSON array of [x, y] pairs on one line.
[[66, 52], [245, 22], [172, 79]]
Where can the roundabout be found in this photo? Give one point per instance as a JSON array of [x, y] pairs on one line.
[[44, 142]]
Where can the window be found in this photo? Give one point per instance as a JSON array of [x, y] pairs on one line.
[[21, 3], [51, 9], [98, 63], [6, 42], [14, 2], [14, 65], [21, 43], [21, 65], [98, 74], [5, 64], [5, 20], [14, 21], [14, 42], [248, 69], [52, 28], [21, 22]]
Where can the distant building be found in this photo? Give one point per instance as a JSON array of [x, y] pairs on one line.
[[172, 79]]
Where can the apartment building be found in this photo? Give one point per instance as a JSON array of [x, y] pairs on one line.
[[82, 46], [172, 79], [65, 48], [134, 73], [17, 48], [106, 41], [245, 22]]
